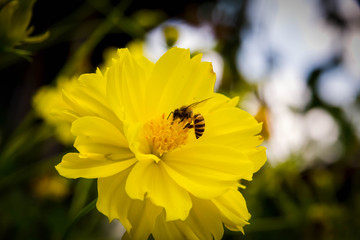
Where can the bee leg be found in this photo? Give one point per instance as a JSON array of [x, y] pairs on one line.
[[188, 125], [169, 115], [189, 116]]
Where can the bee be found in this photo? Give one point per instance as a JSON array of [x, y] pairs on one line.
[[196, 121]]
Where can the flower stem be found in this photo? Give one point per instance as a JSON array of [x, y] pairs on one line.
[[82, 213], [81, 193]]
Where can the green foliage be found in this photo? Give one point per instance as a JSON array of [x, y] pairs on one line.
[[15, 18]]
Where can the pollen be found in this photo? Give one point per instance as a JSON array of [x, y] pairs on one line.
[[165, 135]]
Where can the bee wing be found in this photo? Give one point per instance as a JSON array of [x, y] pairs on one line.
[[196, 103]]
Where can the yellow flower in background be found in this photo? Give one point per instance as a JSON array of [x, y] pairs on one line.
[[171, 34], [52, 187], [154, 174], [48, 101], [263, 116]]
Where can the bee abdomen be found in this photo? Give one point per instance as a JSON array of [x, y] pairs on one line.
[[199, 125]]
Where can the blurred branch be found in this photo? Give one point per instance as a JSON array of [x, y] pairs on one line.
[[81, 193], [127, 25], [229, 36], [26, 172], [20, 144], [112, 18]]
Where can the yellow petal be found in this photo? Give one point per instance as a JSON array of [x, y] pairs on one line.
[[142, 216], [151, 178], [203, 222], [99, 139], [207, 171], [218, 101], [232, 127], [164, 230], [74, 166], [177, 80], [94, 83], [126, 86], [86, 97], [101, 151], [137, 142], [113, 202], [137, 217], [98, 130], [257, 156], [233, 209]]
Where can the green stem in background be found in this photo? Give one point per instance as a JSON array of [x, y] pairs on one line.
[[127, 24], [22, 143], [26, 172], [26, 123], [81, 193], [76, 219], [112, 19]]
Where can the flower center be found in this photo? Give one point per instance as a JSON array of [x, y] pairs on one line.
[[165, 135]]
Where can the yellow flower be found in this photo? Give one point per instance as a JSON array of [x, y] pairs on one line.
[[48, 101], [153, 174], [263, 116], [52, 187]]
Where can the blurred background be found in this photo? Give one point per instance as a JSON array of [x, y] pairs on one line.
[[294, 63]]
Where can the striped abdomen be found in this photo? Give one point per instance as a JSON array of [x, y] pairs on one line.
[[199, 125]]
